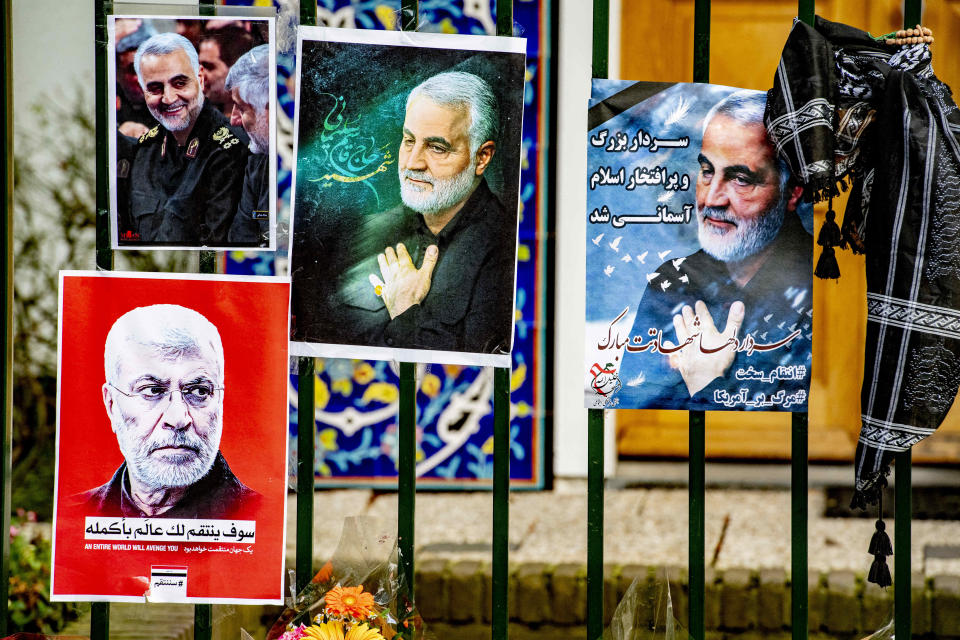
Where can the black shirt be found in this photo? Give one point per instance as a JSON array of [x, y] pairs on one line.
[[777, 302], [217, 495], [470, 303], [251, 225], [186, 196]]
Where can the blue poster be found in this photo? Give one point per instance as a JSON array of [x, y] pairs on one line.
[[699, 275]]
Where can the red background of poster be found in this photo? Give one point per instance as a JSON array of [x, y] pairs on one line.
[[252, 320]]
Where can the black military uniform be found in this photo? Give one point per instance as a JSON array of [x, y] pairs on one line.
[[251, 225], [470, 303], [186, 196]]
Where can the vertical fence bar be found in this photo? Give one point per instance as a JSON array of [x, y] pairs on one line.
[[104, 253], [799, 450], [902, 539], [203, 613], [500, 614], [594, 524], [601, 61], [501, 497], [407, 471], [306, 424], [798, 526], [306, 429], [805, 11], [100, 611], [697, 420], [902, 535], [697, 516], [7, 265], [406, 478]]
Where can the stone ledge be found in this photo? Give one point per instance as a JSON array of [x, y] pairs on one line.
[[739, 602]]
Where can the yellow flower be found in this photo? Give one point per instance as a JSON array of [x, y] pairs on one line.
[[430, 385], [363, 632], [328, 439], [380, 392], [325, 631], [349, 601], [363, 373], [343, 386]]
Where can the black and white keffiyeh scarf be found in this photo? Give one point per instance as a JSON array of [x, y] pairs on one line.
[[850, 111]]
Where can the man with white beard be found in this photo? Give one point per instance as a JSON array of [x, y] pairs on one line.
[[186, 176], [443, 272], [163, 393], [249, 86], [752, 273]]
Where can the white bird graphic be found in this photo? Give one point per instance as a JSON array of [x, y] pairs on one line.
[[609, 270], [636, 382], [615, 245], [678, 113], [663, 254], [677, 263], [652, 276], [685, 278], [597, 240], [626, 258], [665, 284], [663, 197], [643, 257]]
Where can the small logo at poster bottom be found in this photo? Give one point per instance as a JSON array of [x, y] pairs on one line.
[[168, 583]]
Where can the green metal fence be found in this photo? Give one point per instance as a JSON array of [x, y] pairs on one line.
[[501, 401]]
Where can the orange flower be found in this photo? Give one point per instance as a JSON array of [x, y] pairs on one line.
[[325, 573], [350, 601]]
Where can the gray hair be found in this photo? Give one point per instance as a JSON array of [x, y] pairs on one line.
[[168, 330], [464, 90], [163, 44], [250, 76], [747, 108]]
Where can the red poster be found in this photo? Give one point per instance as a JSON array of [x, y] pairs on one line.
[[171, 438]]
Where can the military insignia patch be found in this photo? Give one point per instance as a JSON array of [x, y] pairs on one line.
[[123, 168], [225, 138], [192, 148], [150, 134]]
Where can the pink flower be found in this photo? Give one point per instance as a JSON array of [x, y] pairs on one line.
[[14, 531], [294, 634]]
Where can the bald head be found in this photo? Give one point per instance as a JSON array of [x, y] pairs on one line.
[[170, 332]]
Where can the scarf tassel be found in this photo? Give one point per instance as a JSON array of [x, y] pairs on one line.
[[880, 548], [828, 238]]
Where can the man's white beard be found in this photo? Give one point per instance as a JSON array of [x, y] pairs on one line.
[[746, 239], [260, 140], [445, 193], [181, 123], [183, 471]]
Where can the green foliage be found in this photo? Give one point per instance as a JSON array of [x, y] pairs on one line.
[[29, 607]]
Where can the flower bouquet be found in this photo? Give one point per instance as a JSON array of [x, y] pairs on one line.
[[358, 595]]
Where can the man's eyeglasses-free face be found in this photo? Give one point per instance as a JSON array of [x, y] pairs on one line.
[[196, 395]]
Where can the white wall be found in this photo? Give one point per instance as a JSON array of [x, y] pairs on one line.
[[570, 417], [52, 53]]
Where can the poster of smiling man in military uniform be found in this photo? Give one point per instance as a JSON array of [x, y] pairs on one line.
[[179, 174], [406, 196]]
